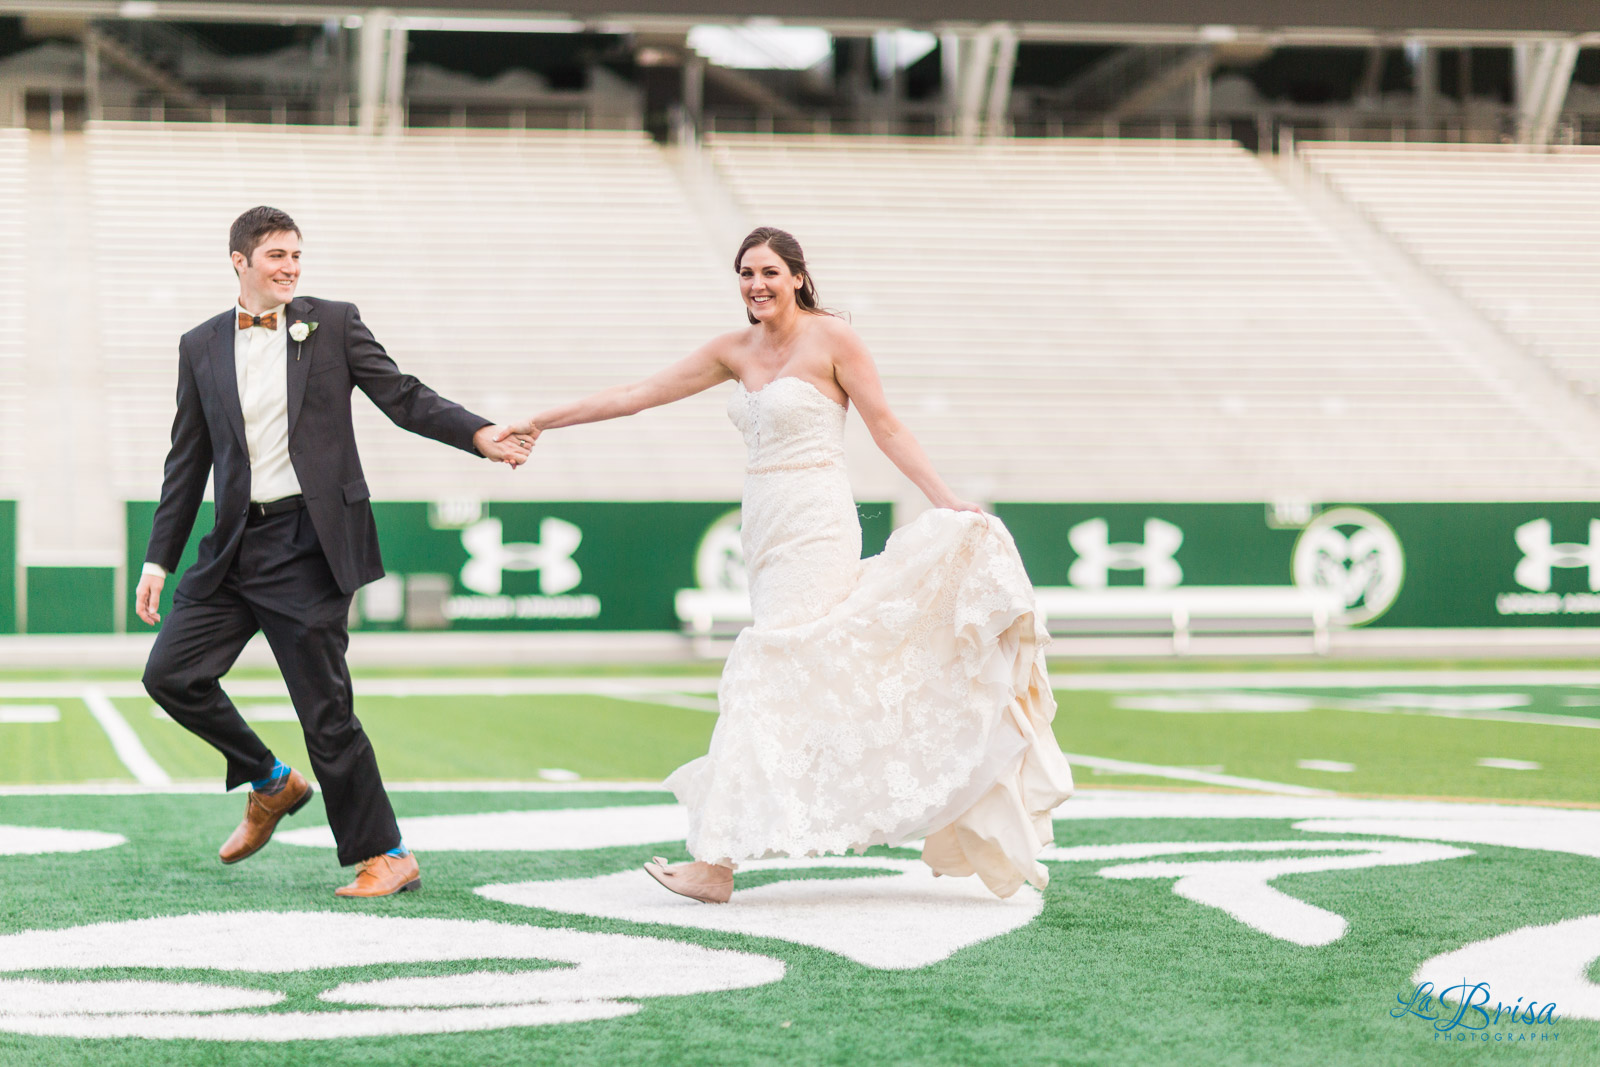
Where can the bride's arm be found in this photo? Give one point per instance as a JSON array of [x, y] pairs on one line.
[[856, 373], [694, 373]]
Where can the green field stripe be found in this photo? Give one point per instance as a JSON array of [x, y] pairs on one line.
[[470, 738], [513, 738], [1533, 705], [1190, 774], [74, 749], [1396, 755], [185, 756]]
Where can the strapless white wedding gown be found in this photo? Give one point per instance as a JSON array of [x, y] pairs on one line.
[[873, 701]]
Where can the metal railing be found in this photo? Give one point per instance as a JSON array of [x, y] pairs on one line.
[[1266, 130], [1263, 131], [343, 110]]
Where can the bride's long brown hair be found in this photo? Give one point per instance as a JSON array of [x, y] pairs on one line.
[[782, 242]]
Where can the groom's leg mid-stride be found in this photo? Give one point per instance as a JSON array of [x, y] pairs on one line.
[[279, 583]]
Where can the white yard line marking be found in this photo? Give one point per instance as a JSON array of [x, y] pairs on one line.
[[1186, 774], [1504, 764], [214, 788], [1196, 680], [644, 687], [255, 688], [29, 713], [1533, 717], [126, 743], [671, 700], [1329, 765]]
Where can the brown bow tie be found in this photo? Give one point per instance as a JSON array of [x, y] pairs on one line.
[[269, 320]]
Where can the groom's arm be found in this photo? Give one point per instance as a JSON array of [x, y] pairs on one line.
[[406, 401], [183, 484]]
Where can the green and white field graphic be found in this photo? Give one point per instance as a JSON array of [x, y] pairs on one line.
[[1259, 869]]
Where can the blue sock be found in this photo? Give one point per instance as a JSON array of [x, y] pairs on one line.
[[400, 852], [274, 782]]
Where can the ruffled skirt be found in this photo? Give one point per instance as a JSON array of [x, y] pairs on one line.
[[918, 706]]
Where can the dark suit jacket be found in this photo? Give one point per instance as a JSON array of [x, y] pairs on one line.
[[340, 355]]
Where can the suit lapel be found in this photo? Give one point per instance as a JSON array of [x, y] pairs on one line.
[[227, 376], [299, 359]]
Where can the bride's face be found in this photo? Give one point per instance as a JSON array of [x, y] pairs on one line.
[[766, 284]]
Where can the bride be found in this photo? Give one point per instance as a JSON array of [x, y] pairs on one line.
[[872, 701]]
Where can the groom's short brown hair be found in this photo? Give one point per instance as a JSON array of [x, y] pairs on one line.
[[255, 226]]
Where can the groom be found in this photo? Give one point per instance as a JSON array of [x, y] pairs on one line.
[[264, 398]]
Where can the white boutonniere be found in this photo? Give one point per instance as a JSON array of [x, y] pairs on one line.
[[301, 330]]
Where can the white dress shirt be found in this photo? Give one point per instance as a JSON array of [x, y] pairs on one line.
[[261, 364]]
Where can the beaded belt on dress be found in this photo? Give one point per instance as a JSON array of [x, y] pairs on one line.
[[774, 468]]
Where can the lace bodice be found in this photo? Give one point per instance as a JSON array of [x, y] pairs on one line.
[[788, 424]]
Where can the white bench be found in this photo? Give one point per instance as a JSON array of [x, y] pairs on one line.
[[709, 614], [712, 614], [1186, 610]]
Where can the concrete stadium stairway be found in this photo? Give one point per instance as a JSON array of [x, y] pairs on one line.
[[69, 515], [1462, 318], [1145, 320]]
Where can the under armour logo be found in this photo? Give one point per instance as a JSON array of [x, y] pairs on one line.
[[489, 556], [1098, 556], [1540, 555]]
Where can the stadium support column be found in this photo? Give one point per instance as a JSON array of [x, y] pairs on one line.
[[370, 79], [1005, 66], [1543, 71], [394, 82], [1425, 81], [91, 76], [978, 66], [693, 113]]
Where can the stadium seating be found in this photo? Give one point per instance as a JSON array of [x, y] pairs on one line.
[[1515, 231], [13, 395], [506, 270], [1055, 319], [1136, 320]]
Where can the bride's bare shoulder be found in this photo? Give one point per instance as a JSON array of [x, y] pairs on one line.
[[835, 329], [840, 337], [733, 340]]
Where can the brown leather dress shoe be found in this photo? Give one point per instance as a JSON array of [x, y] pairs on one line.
[[709, 883], [261, 816], [382, 875]]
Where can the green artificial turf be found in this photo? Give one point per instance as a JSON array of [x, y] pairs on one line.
[[1112, 972], [502, 738], [470, 738], [1393, 754], [74, 749]]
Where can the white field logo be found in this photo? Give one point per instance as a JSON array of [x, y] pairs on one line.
[[605, 968], [1354, 553], [906, 919]]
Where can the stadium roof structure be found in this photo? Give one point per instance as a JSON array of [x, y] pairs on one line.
[[1275, 21]]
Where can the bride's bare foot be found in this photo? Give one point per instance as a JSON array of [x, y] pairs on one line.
[[709, 883]]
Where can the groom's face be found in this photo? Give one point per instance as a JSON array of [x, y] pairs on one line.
[[269, 276]]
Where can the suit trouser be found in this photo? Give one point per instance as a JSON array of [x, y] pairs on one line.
[[279, 584]]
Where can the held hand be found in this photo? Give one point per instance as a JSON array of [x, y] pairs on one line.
[[525, 429], [502, 446], [147, 598], [962, 505]]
